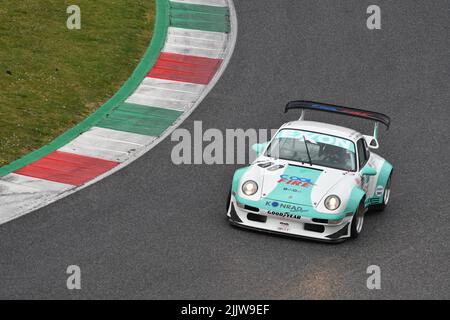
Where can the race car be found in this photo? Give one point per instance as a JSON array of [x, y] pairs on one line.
[[312, 179]]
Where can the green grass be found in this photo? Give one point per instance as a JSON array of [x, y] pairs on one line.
[[51, 78]]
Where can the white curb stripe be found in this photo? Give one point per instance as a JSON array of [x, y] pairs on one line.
[[121, 135], [166, 94], [108, 145], [20, 193], [13, 183], [197, 34], [167, 103], [196, 43], [157, 93], [170, 85], [216, 3]]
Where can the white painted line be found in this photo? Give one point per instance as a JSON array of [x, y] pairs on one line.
[[216, 3]]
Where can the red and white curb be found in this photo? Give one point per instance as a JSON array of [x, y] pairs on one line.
[[189, 65]]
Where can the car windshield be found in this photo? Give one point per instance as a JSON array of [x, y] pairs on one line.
[[317, 148]]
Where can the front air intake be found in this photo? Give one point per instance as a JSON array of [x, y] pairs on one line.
[[314, 227], [256, 217]]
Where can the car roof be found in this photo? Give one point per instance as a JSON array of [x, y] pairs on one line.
[[324, 128]]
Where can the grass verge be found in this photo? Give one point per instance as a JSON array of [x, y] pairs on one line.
[[52, 77]]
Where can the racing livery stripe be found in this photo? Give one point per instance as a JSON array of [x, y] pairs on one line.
[[67, 168], [184, 68], [201, 17]]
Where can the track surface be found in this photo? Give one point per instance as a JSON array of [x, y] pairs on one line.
[[156, 230]]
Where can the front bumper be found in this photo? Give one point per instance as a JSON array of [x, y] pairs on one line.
[[303, 227]]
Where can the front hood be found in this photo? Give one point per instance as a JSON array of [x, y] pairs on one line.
[[303, 185]]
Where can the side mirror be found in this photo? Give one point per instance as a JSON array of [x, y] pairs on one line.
[[372, 142], [368, 171], [259, 147]]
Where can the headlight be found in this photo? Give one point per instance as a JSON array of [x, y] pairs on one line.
[[249, 188], [332, 202]]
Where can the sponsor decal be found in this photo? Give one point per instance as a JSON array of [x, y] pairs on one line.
[[295, 181], [317, 138], [292, 190], [340, 109], [285, 206], [284, 226], [283, 214], [379, 191]]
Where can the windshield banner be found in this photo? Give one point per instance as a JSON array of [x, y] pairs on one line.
[[316, 138]]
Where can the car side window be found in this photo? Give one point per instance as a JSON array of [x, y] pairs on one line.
[[366, 150], [361, 153]]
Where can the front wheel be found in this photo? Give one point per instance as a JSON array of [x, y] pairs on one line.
[[357, 221]]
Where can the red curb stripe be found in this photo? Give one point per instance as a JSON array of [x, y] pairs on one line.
[[68, 168], [184, 68]]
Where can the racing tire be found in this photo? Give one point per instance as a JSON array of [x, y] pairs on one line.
[[357, 221], [386, 196]]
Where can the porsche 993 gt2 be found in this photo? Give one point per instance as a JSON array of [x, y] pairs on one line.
[[312, 179]]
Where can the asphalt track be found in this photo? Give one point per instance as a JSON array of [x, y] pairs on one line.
[[156, 230]]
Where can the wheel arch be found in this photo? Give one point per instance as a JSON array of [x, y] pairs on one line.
[[356, 197], [386, 171]]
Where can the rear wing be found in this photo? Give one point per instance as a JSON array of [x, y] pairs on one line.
[[318, 106], [372, 141]]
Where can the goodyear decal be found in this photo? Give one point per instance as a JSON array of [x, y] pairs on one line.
[[283, 214]]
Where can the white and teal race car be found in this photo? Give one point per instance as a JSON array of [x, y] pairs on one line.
[[313, 180]]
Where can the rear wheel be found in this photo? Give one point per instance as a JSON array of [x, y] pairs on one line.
[[386, 196], [357, 221]]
